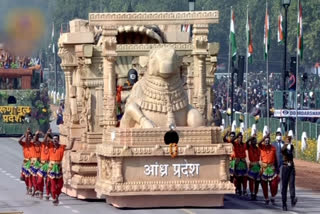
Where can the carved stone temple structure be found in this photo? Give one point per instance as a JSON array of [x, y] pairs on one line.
[[127, 162]]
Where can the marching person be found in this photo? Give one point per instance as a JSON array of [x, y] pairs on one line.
[[56, 152], [43, 171], [292, 90], [228, 138], [240, 172], [35, 152], [60, 114], [254, 166], [216, 115], [278, 144], [288, 174], [269, 169], [25, 142]]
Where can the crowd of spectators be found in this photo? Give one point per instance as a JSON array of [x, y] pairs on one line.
[[8, 61], [257, 92]]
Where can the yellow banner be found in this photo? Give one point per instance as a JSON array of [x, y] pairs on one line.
[[14, 114]]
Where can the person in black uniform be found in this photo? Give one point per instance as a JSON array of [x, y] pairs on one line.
[[288, 174]]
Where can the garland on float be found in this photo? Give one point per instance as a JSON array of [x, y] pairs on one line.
[[173, 152]]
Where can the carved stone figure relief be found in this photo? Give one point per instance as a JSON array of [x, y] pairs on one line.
[[159, 97]]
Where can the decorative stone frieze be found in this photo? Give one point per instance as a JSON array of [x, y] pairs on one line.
[[130, 151], [165, 187], [83, 157], [114, 19]]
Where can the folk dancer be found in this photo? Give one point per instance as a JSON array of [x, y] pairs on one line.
[[56, 152], [241, 170], [254, 166], [25, 142], [35, 152], [288, 174], [269, 169], [228, 138], [43, 171]]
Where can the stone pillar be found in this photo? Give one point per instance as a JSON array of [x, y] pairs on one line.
[[109, 44], [187, 61], [223, 172], [99, 109], [68, 81], [200, 51], [68, 64], [117, 176]]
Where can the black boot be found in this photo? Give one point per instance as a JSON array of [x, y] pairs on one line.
[[273, 201], [294, 201], [252, 197], [267, 201], [284, 207]]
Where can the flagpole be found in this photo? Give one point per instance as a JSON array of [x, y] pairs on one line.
[[54, 60], [267, 64], [297, 80], [268, 101], [247, 65], [229, 64]]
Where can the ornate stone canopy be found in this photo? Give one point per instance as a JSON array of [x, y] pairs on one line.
[[116, 19]]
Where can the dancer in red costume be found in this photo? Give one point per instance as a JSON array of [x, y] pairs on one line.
[[269, 169], [25, 142], [254, 166], [43, 171], [56, 152], [228, 138], [35, 152], [240, 173]]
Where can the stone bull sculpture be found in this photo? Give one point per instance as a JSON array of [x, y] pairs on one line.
[[159, 99]]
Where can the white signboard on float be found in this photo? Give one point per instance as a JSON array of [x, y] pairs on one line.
[[292, 113], [179, 170]]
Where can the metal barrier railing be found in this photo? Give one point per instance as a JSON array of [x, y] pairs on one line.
[[312, 129]]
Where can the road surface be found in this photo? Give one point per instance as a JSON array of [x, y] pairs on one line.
[[13, 197]]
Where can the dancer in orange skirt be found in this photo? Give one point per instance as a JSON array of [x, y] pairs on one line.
[[43, 171], [25, 142], [254, 166], [269, 169], [56, 152]]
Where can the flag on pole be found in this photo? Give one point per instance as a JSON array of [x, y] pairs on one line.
[[300, 32], [233, 37], [249, 39], [185, 28], [266, 34], [61, 29], [280, 29], [52, 38]]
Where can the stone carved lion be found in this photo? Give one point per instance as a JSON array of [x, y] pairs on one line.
[[159, 99]]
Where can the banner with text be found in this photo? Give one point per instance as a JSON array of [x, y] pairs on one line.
[[292, 113]]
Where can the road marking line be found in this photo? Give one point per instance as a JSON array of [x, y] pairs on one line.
[[187, 211], [4, 171], [65, 206], [15, 139], [22, 182], [11, 176], [61, 202], [17, 179], [75, 211], [8, 174]]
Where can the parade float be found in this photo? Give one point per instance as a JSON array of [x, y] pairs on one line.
[[125, 151], [24, 101]]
